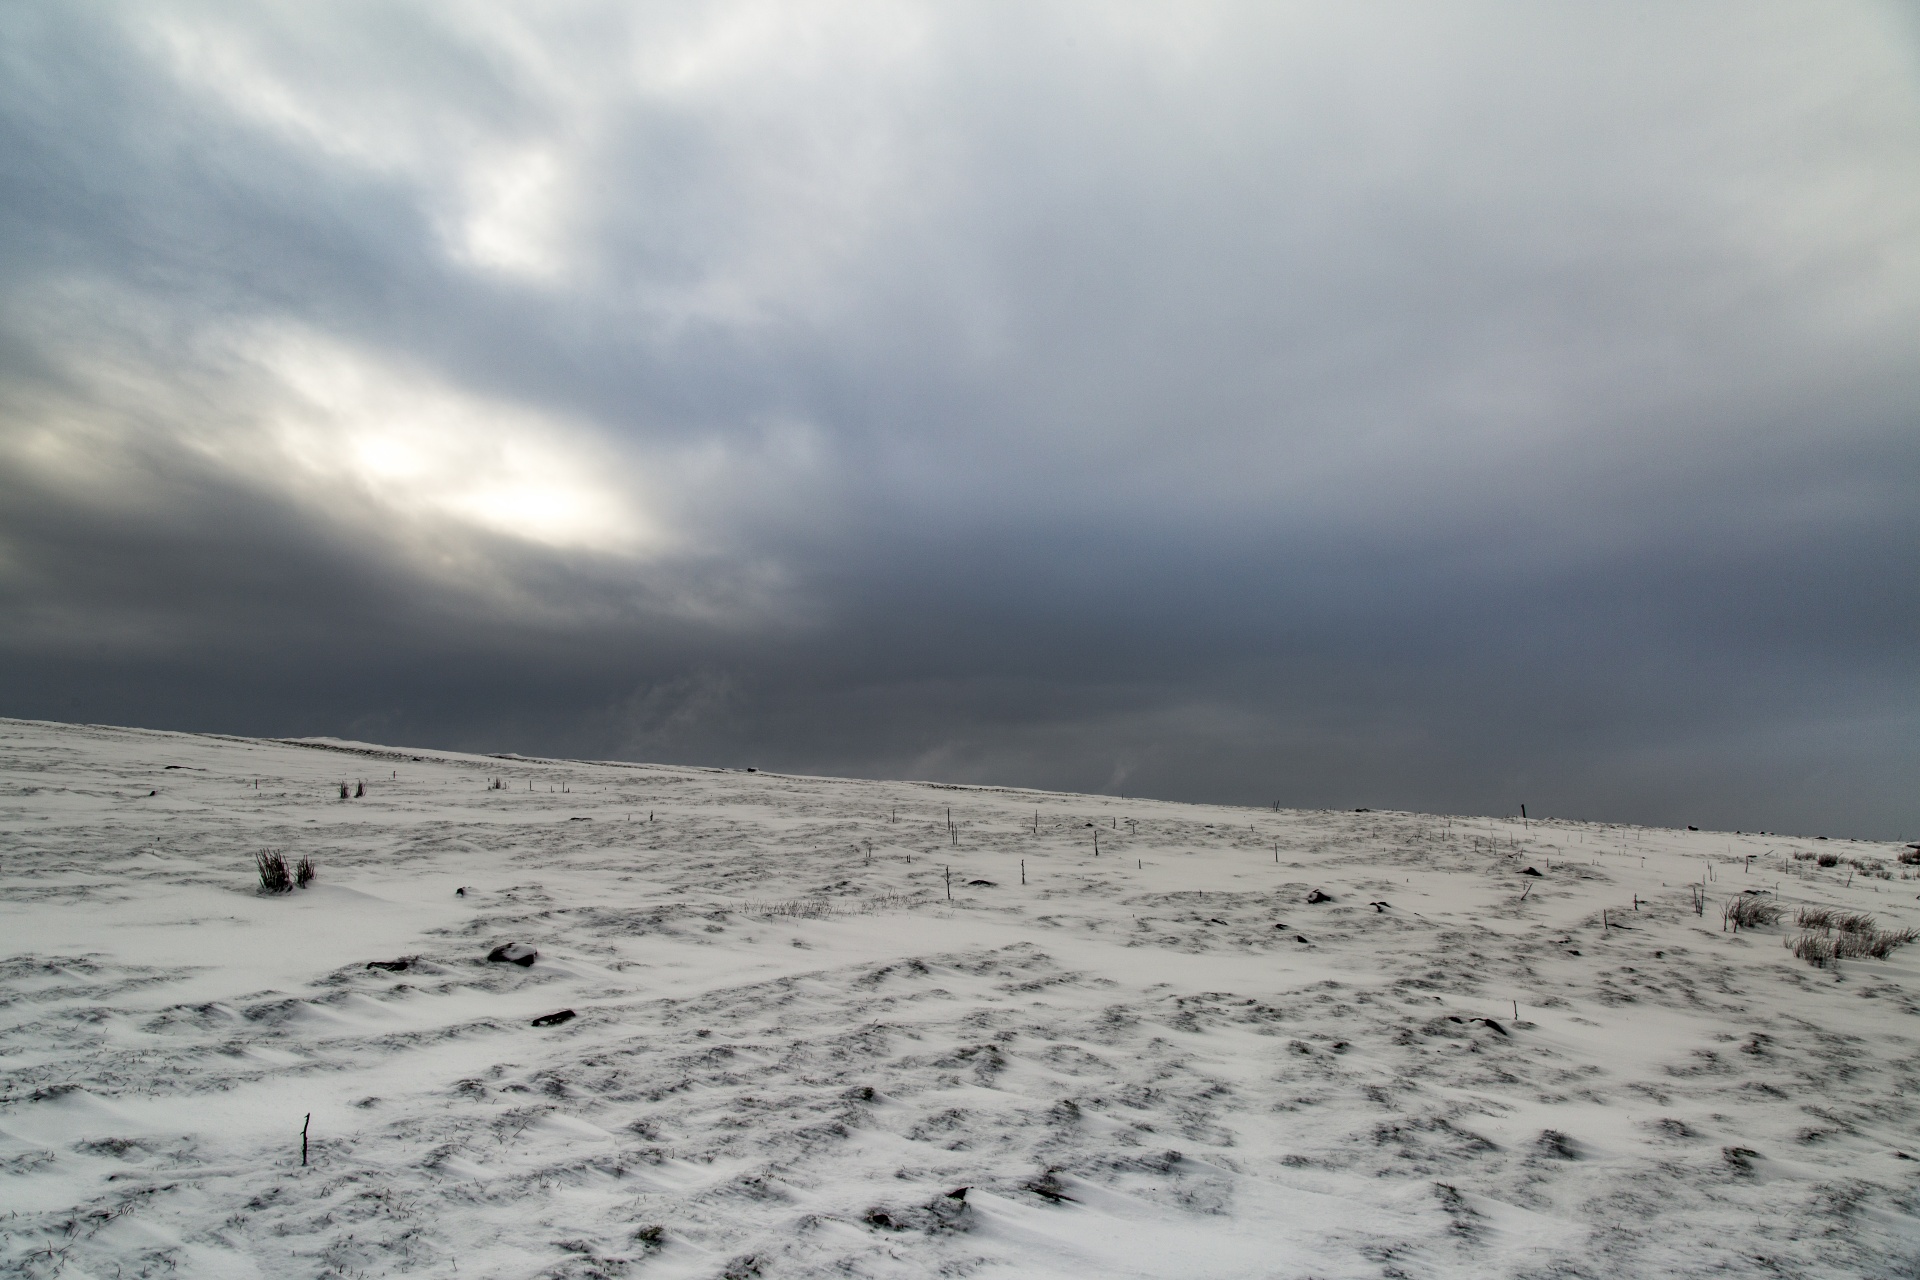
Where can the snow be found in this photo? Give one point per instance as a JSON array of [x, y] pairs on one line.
[[790, 1047]]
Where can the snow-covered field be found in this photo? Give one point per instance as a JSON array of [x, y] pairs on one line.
[[792, 1052]]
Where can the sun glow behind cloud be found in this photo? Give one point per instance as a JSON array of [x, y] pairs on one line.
[[428, 452]]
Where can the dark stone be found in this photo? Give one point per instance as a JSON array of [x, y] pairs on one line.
[[554, 1019], [1319, 896], [391, 966], [513, 953], [1556, 1145], [1379, 906], [982, 884], [1048, 1187], [1529, 872]]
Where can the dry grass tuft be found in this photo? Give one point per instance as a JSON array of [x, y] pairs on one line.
[[1825, 918], [274, 876], [1815, 948], [1876, 944], [820, 908], [1829, 935], [791, 908], [1749, 911]]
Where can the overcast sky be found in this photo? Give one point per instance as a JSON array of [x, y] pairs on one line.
[[1440, 406]]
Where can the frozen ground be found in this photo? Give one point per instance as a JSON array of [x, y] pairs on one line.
[[791, 1051]]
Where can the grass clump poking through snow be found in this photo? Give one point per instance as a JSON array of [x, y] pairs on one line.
[[277, 877], [1815, 948], [1826, 918], [274, 876], [792, 908], [820, 908], [1838, 935], [1877, 943], [1750, 911]]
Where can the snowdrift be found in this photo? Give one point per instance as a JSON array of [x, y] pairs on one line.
[[829, 1027]]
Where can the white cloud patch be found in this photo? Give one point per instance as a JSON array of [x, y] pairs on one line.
[[514, 213]]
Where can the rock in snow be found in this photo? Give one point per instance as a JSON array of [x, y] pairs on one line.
[[513, 953], [799, 1056]]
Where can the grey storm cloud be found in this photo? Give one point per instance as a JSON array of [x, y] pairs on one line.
[[1387, 404]]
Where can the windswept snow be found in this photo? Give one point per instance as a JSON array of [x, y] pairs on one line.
[[792, 1052]]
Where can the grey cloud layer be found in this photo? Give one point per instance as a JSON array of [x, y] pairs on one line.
[[1375, 406]]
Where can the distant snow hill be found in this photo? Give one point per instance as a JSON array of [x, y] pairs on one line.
[[837, 1028]]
